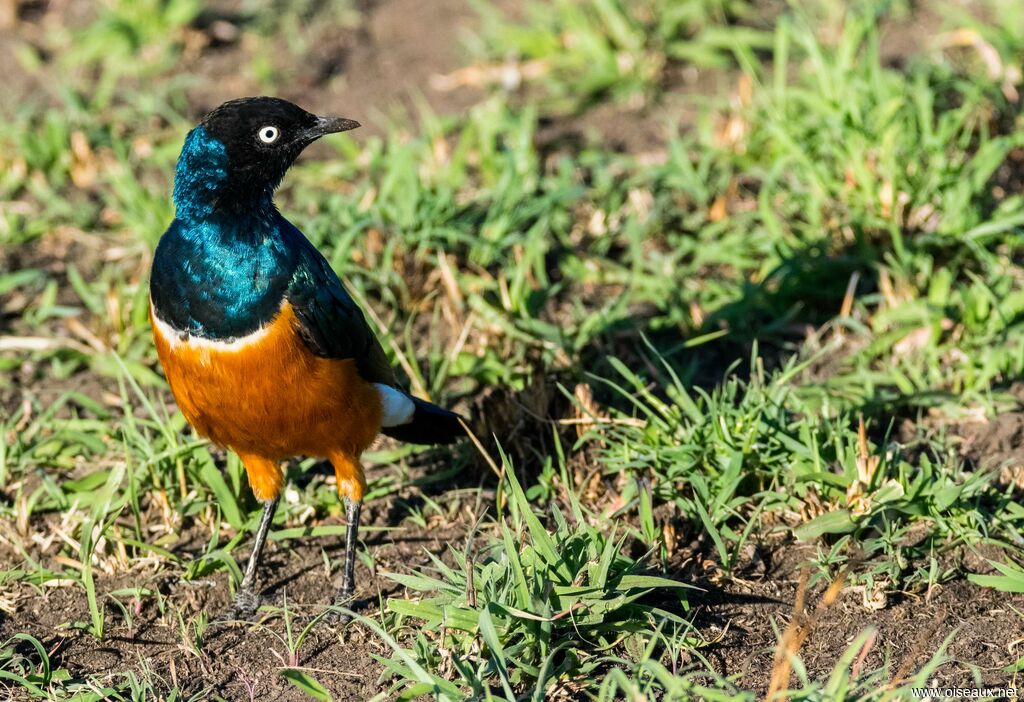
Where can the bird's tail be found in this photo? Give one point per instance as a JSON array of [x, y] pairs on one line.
[[430, 424]]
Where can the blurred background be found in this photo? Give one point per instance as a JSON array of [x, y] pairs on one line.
[[735, 285]]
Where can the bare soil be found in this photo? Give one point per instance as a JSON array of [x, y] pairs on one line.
[[982, 628], [739, 619]]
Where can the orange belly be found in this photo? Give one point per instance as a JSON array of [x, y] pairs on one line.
[[271, 399]]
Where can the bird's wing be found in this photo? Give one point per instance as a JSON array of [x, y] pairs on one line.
[[330, 322]]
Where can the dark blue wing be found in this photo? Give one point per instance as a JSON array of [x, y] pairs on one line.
[[330, 322]]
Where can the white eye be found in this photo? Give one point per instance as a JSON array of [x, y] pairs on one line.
[[268, 135]]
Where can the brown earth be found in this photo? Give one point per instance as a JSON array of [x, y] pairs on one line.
[[997, 444], [737, 618], [983, 627]]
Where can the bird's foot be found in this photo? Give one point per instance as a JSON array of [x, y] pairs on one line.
[[243, 609], [345, 598]]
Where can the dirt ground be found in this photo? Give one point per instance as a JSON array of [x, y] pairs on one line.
[[738, 618], [373, 70]]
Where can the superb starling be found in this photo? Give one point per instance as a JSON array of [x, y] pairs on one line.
[[264, 349]]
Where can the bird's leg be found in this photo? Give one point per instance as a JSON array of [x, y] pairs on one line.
[[352, 510], [246, 600], [344, 596], [352, 487]]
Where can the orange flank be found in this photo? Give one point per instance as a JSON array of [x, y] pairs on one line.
[[268, 397]]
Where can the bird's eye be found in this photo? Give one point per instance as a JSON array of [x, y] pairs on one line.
[[268, 135]]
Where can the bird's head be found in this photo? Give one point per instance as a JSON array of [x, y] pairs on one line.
[[236, 156]]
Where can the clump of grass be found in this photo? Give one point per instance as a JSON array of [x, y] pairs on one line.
[[585, 52], [534, 611], [761, 452], [833, 164], [24, 662], [133, 37]]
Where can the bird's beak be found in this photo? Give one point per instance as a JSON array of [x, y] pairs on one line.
[[331, 125]]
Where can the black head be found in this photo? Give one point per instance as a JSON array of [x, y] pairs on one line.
[[263, 136]]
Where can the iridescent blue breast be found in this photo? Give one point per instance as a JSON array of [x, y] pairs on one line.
[[221, 281]]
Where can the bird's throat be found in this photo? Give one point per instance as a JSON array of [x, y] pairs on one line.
[[205, 188]]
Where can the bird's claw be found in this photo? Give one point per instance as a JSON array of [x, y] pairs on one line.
[[343, 599], [243, 609]]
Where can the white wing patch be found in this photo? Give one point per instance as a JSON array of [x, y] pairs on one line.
[[398, 407]]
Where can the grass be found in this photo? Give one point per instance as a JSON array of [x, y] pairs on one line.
[[630, 52], [527, 614], [735, 335]]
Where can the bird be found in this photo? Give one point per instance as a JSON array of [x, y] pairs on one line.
[[264, 350]]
